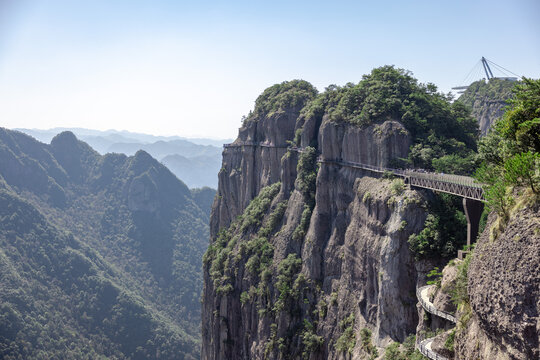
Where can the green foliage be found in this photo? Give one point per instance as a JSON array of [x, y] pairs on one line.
[[282, 97], [456, 164], [521, 170], [439, 237], [347, 340], [405, 352], [311, 341], [438, 127], [288, 268], [323, 308], [257, 248], [436, 277], [297, 136], [306, 184], [521, 123], [334, 298], [275, 217], [300, 231], [449, 343], [397, 187], [366, 344], [253, 214], [459, 292], [510, 153], [493, 90], [307, 173], [496, 193], [90, 267]]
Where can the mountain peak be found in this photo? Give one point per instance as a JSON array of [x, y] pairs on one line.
[[64, 139]]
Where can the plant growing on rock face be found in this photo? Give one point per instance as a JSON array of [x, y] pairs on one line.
[[311, 341], [520, 169], [287, 269], [347, 340], [297, 136], [444, 229], [306, 184], [460, 294], [366, 344], [259, 250], [449, 343], [397, 187], [436, 277]]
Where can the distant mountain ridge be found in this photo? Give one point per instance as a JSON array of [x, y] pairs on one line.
[[99, 255], [45, 135], [202, 156]]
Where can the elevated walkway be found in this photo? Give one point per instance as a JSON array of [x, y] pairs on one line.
[[423, 298], [464, 186], [424, 345]]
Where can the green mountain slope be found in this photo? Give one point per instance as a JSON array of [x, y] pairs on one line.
[[99, 255]]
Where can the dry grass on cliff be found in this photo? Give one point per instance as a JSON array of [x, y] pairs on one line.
[[522, 198]]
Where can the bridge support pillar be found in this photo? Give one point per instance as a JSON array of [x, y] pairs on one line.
[[473, 211]]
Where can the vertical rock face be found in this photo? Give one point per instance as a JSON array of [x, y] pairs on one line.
[[487, 112], [376, 144], [303, 275], [487, 100], [504, 291], [246, 169]]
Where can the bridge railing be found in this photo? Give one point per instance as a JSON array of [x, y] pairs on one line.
[[251, 143], [448, 178], [421, 345], [432, 309], [453, 184]]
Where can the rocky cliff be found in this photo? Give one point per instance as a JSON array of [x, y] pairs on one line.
[[310, 259], [503, 320], [488, 101]]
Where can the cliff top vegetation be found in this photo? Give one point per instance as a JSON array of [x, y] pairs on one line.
[[510, 153], [283, 96], [494, 90], [444, 133]]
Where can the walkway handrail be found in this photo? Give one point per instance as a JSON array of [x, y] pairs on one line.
[[432, 309], [448, 178], [464, 186], [423, 348], [250, 143]]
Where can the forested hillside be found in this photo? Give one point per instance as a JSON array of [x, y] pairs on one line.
[[195, 161], [99, 255]]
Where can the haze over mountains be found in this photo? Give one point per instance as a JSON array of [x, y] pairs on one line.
[[99, 255], [196, 161]]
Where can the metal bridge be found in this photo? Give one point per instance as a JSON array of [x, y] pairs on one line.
[[466, 187], [463, 186]]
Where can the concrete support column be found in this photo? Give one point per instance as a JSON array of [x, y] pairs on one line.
[[473, 211]]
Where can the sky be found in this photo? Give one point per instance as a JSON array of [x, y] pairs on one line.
[[194, 68]]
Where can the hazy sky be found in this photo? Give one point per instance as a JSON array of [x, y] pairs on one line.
[[193, 68]]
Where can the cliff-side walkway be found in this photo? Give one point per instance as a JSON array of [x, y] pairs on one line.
[[424, 346], [422, 294], [463, 186]]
